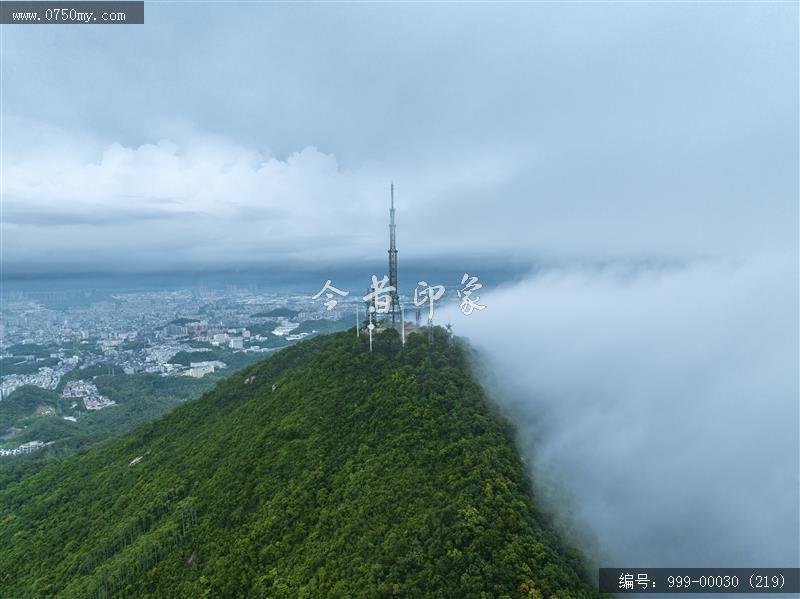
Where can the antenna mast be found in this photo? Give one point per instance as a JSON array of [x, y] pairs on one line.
[[403, 324], [393, 259]]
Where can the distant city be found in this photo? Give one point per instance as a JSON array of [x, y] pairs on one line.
[[67, 354], [143, 331], [48, 339]]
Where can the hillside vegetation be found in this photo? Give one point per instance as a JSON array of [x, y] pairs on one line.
[[322, 471], [34, 414]]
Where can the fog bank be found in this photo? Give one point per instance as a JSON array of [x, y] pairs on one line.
[[658, 409]]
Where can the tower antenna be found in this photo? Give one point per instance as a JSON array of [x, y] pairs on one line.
[[393, 258], [370, 327], [403, 324]]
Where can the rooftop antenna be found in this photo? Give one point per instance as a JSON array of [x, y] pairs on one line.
[[393, 258]]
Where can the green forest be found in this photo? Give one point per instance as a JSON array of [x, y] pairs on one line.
[[322, 471], [31, 413]]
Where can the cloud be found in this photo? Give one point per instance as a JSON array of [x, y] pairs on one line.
[[525, 131], [203, 201], [213, 201], [657, 407]]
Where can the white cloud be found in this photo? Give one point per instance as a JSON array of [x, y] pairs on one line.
[[661, 405], [209, 200], [206, 200]]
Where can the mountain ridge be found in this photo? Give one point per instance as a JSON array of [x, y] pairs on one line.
[[323, 470]]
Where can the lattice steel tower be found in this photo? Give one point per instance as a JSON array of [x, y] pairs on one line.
[[395, 309]]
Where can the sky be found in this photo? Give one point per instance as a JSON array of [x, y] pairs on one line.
[[636, 162], [246, 134]]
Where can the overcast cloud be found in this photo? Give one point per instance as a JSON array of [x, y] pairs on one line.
[[255, 133]]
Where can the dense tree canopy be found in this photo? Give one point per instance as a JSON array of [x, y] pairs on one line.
[[322, 471]]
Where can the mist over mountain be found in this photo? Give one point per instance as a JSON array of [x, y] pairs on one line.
[[623, 178], [659, 404]]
